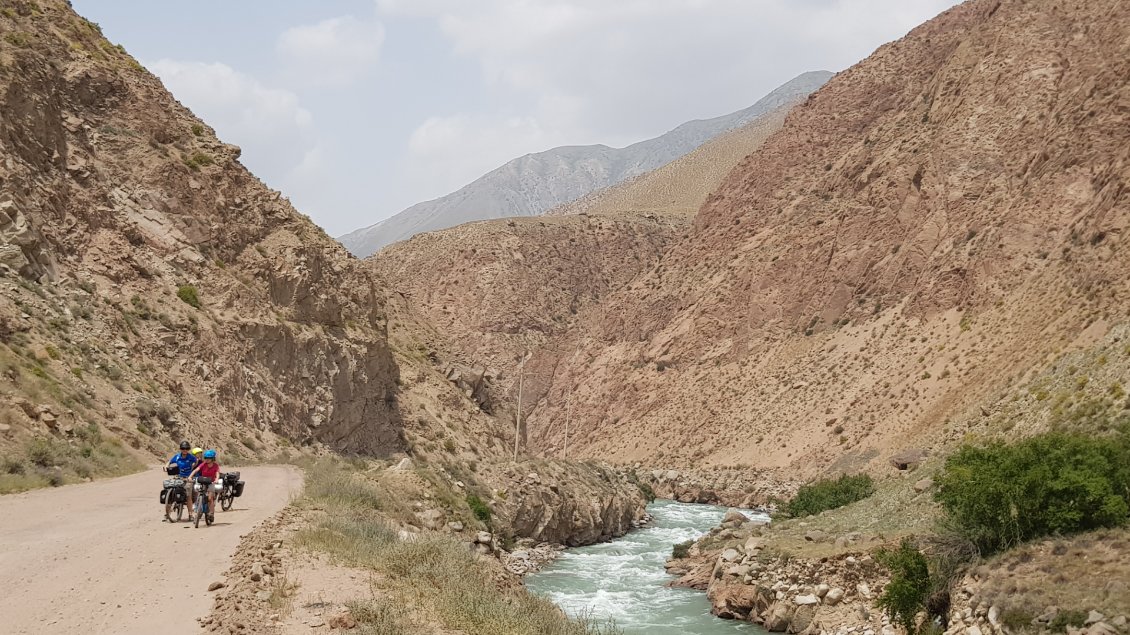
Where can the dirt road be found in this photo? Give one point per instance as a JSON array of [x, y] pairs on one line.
[[98, 558]]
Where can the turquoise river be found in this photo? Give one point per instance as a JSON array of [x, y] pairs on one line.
[[623, 580]]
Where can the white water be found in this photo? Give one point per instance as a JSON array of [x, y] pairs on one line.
[[623, 580]]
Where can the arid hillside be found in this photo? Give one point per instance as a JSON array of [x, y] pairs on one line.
[[682, 186], [152, 286], [929, 231], [492, 291]]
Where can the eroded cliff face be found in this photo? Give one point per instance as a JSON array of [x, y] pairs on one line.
[[152, 285], [927, 232]]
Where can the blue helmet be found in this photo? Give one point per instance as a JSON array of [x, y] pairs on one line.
[[209, 454]]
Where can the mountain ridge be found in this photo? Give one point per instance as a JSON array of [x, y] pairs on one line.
[[536, 182]]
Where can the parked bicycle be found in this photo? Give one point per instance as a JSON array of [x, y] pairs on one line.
[[233, 489], [174, 495]]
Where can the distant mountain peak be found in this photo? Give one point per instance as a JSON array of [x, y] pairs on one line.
[[535, 183]]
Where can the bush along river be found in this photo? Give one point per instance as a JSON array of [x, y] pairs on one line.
[[623, 580]]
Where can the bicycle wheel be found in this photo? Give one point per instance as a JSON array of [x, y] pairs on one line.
[[174, 512], [199, 506], [208, 516], [226, 499]]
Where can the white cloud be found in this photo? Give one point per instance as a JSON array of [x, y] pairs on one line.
[[276, 133], [630, 69], [334, 51]]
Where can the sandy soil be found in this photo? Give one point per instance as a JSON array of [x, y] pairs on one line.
[[99, 558]]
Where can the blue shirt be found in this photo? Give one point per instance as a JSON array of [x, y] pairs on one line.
[[185, 463]]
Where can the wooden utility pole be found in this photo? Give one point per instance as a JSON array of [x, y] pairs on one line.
[[568, 416], [518, 415]]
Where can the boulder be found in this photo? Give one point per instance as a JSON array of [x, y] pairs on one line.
[[778, 618], [834, 596], [816, 536], [994, 615], [484, 538], [1094, 617], [804, 600], [215, 586], [431, 519], [734, 517], [924, 485], [802, 618], [822, 590], [731, 555], [908, 459], [343, 621], [863, 590], [753, 544], [1101, 628], [455, 525], [733, 601]]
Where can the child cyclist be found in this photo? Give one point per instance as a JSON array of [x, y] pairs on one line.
[[209, 468]]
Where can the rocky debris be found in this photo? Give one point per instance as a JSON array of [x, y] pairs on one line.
[[529, 557], [598, 503], [215, 586], [431, 519], [908, 459], [23, 249], [343, 621], [744, 488], [256, 576], [746, 580], [475, 382], [455, 526], [924, 485]]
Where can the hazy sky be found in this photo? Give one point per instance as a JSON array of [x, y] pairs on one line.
[[356, 109]]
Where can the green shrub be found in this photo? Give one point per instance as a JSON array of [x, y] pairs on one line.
[[829, 494], [42, 452], [479, 508], [198, 160], [12, 466], [1000, 495], [910, 586], [646, 490], [187, 293], [682, 549], [1063, 619]]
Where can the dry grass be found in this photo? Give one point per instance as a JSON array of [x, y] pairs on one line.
[[50, 462], [1084, 572], [432, 576]]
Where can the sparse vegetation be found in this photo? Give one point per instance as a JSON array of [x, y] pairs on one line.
[[46, 461], [418, 572], [197, 160], [188, 294], [682, 549], [1053, 484], [905, 596], [829, 494], [479, 508]]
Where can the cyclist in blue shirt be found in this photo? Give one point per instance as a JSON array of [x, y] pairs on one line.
[[184, 461]]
